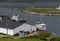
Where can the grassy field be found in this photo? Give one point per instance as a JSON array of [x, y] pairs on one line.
[[28, 39], [19, 39], [44, 10], [40, 36]]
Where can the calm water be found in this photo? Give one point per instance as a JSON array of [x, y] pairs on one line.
[[53, 22], [23, 5]]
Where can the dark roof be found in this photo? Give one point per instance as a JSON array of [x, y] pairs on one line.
[[9, 23]]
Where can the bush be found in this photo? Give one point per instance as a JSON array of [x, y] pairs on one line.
[[52, 39], [40, 34], [44, 34], [7, 37], [16, 34], [2, 34], [42, 38], [34, 36], [55, 39]]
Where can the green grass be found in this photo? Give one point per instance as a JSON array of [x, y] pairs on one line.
[[43, 10], [40, 36], [19, 39]]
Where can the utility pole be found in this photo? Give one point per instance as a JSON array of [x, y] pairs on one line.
[[7, 26]]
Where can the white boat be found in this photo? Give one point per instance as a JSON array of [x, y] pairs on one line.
[[58, 8]]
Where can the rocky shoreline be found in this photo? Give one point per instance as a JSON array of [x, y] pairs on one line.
[[45, 14]]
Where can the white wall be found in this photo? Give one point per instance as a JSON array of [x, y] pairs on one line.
[[4, 30], [24, 27], [41, 26]]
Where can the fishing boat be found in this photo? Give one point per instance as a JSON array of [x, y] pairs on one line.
[[17, 19]]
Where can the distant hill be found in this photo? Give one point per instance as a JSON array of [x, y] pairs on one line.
[[29, 0]]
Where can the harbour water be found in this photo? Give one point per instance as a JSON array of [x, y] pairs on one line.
[[24, 4], [53, 22]]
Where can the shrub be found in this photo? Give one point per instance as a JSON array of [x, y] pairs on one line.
[[55, 39], [43, 38], [44, 34], [52, 39], [16, 34], [2, 34], [40, 34]]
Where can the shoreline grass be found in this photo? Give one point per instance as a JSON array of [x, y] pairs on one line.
[[43, 10], [20, 39]]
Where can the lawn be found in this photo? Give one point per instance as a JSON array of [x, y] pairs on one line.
[[40, 36], [19, 39], [28, 39]]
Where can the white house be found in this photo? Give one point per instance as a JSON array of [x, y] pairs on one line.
[[14, 27], [24, 27]]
